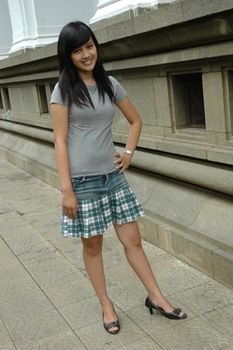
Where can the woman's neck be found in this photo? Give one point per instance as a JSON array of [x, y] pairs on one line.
[[87, 78]]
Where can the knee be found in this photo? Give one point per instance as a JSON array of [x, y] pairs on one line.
[[92, 246], [132, 244]]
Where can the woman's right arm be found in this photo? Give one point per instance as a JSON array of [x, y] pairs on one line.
[[60, 131]]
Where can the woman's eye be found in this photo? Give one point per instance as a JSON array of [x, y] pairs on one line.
[[89, 46]]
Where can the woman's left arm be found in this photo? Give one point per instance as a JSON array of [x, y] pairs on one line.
[[134, 119]]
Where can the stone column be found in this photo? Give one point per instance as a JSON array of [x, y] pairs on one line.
[[109, 8], [23, 23], [38, 22], [5, 30]]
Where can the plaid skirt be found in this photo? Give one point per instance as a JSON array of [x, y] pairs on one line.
[[103, 200]]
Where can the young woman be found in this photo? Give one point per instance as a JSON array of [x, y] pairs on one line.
[[95, 193]]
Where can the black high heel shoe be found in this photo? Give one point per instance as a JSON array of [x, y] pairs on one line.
[[112, 324], [174, 315]]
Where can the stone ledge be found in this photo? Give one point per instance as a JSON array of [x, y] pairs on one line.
[[207, 175]]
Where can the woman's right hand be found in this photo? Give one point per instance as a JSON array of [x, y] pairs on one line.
[[69, 204]]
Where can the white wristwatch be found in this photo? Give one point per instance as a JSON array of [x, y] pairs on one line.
[[128, 151]]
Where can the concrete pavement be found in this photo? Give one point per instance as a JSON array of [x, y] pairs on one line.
[[46, 299]]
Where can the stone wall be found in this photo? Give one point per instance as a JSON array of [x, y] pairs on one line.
[[175, 62]]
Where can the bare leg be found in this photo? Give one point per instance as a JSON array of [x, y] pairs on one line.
[[92, 256], [129, 236]]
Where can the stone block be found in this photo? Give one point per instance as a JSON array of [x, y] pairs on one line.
[[220, 155], [214, 101], [223, 267], [149, 229], [162, 102], [148, 141], [175, 204], [215, 221], [157, 18], [222, 138], [191, 10], [222, 6], [211, 137], [142, 185], [182, 148], [141, 92], [192, 250], [152, 131]]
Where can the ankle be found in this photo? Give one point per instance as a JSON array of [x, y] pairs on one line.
[[105, 301], [155, 296]]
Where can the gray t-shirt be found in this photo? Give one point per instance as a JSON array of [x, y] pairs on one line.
[[90, 144]]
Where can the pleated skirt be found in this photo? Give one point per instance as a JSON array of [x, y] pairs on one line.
[[103, 200]]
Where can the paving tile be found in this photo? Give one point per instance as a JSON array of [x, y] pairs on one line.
[[6, 342], [60, 280], [95, 337], [7, 186], [29, 205], [9, 221], [117, 274], [47, 223], [31, 327], [196, 334], [145, 343], [175, 276], [83, 313], [230, 347], [222, 319], [28, 244], [53, 271], [156, 322], [128, 295], [47, 301], [22, 299], [61, 341], [206, 297]]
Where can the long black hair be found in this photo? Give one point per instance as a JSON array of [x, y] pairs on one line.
[[72, 36]]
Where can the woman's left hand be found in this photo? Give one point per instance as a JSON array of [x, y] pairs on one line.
[[122, 161]]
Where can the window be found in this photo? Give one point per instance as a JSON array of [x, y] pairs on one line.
[[6, 98], [188, 100], [41, 89]]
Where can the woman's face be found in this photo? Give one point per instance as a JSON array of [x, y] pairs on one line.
[[84, 57]]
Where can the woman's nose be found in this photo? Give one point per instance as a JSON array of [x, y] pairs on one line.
[[85, 53]]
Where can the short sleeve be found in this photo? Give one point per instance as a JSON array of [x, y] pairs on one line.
[[119, 91], [56, 96]]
